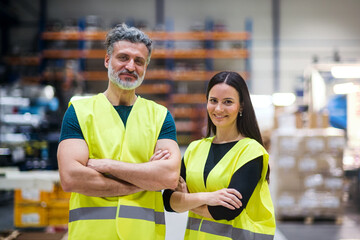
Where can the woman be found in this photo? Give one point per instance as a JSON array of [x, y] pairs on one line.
[[226, 190]]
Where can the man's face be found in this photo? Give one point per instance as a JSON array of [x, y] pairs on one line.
[[127, 64]]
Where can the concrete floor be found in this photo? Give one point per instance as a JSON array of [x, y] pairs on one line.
[[286, 230], [294, 230], [323, 230]]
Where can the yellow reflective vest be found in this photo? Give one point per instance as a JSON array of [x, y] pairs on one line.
[[257, 220], [136, 216]]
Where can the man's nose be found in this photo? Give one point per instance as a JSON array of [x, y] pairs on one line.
[[130, 66]]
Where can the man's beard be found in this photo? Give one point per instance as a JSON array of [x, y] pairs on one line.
[[124, 84]]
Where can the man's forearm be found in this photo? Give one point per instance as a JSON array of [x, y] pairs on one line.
[[92, 183], [152, 176], [75, 176], [160, 172], [112, 187]]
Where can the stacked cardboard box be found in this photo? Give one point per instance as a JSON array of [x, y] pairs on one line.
[[35, 208], [308, 171], [58, 207]]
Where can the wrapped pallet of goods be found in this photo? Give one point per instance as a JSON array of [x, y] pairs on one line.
[[309, 173]]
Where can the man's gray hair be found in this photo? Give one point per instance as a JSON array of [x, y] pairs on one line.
[[122, 32]]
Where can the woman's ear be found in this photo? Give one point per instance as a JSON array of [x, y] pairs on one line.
[[241, 109]]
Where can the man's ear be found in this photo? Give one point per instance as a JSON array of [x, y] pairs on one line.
[[106, 61]]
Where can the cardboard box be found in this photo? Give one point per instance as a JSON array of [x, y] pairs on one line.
[[58, 193], [307, 164], [287, 204], [289, 182], [320, 200], [320, 163], [27, 196], [30, 215], [286, 163], [314, 144], [289, 145], [58, 209], [335, 145]]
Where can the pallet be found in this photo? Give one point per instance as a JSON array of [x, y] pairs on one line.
[[309, 220], [9, 235]]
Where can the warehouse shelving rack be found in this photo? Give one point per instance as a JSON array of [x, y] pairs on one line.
[[188, 108]]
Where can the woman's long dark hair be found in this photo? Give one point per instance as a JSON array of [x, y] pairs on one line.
[[246, 124]]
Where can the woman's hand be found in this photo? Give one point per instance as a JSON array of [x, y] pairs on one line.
[[227, 197], [160, 155], [182, 187]]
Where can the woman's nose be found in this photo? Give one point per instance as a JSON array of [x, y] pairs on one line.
[[218, 107]]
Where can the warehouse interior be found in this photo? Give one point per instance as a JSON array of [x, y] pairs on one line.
[[301, 62]]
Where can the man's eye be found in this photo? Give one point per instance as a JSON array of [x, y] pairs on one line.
[[139, 62], [123, 58]]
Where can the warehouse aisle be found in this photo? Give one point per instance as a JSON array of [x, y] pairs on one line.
[[6, 215], [319, 230], [176, 224]]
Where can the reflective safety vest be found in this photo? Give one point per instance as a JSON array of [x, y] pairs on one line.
[[136, 216], [257, 220]]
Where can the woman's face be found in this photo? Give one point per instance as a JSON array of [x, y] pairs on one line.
[[223, 105]]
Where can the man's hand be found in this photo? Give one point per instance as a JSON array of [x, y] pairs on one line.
[[104, 165], [100, 165]]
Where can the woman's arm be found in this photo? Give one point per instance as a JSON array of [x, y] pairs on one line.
[[180, 200], [244, 180], [227, 197]]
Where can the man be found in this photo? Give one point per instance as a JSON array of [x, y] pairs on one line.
[[118, 150]]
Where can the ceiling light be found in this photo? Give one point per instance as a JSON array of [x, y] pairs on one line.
[[346, 71], [345, 88], [283, 99], [261, 101]]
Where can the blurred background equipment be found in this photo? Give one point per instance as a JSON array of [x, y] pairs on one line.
[[300, 60]]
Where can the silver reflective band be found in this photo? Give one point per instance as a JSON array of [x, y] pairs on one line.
[[141, 213], [193, 224], [103, 213], [225, 230], [92, 213]]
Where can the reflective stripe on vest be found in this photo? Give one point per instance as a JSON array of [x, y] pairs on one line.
[[92, 213], [225, 230], [133, 144], [97, 213], [142, 213], [258, 221]]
